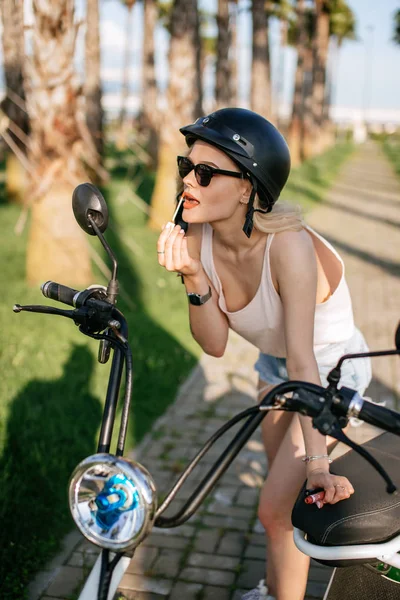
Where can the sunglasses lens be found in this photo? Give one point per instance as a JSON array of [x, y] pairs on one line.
[[184, 166], [203, 175]]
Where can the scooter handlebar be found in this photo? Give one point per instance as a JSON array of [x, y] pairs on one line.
[[61, 293]]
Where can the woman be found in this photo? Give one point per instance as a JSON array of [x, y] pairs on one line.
[[278, 284]]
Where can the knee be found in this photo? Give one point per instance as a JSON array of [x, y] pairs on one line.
[[274, 516]]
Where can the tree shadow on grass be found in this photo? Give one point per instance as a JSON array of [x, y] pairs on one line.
[[51, 427]]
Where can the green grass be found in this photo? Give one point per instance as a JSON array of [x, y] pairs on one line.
[[309, 183], [391, 147], [51, 386]]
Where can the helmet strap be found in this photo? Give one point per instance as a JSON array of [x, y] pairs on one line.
[[248, 223]]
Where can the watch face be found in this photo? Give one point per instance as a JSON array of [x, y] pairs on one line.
[[195, 299]]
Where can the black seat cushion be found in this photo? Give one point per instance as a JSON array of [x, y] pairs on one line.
[[370, 515]]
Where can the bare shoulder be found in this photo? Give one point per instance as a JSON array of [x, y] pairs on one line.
[[193, 237], [292, 246]]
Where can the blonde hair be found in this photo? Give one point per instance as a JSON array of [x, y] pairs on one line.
[[283, 217]]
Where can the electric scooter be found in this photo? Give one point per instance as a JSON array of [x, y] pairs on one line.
[[113, 499]]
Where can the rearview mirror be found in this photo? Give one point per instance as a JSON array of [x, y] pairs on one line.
[[87, 201]]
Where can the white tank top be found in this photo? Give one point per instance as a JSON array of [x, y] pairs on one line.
[[261, 321]]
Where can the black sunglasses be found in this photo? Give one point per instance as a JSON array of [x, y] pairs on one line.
[[203, 173]]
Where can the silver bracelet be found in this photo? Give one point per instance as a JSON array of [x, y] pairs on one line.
[[308, 459]]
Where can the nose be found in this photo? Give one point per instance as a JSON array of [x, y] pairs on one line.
[[190, 179]]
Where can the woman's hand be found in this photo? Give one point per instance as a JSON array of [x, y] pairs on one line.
[[172, 251], [336, 487]]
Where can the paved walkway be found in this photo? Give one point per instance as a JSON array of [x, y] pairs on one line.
[[220, 552]]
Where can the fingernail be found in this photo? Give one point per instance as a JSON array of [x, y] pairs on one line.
[[182, 231], [169, 225], [319, 503]]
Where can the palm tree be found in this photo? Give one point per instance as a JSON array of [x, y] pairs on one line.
[[127, 56], [224, 93], [260, 99], [149, 119], [60, 145], [184, 100], [295, 128], [396, 34], [320, 56], [13, 105], [92, 87], [342, 26], [283, 11]]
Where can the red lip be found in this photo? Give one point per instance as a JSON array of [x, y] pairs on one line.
[[189, 196]]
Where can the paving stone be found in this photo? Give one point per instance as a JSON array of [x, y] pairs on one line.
[[216, 508], [258, 552], [66, 582], [185, 591], [257, 539], [227, 523], [82, 559], [197, 559], [168, 564], [231, 544], [207, 576], [206, 540], [140, 583], [248, 497], [166, 541], [252, 572], [216, 593]]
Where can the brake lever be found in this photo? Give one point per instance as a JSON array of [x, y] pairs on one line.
[[87, 317], [328, 424], [47, 310]]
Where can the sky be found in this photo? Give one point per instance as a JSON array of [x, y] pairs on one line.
[[367, 70]]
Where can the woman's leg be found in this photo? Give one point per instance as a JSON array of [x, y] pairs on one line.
[[287, 566], [273, 429]]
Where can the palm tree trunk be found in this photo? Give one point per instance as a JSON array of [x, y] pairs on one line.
[[295, 128], [127, 55], [150, 113], [184, 99], [307, 123], [281, 73], [260, 68], [60, 145], [223, 83], [320, 50], [13, 105], [94, 111], [233, 52]]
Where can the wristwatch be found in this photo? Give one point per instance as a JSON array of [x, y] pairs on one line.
[[197, 299]]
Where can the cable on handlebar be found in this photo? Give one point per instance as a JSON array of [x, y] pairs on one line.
[[125, 348], [210, 442]]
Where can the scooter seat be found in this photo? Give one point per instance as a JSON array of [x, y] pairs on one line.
[[371, 515]]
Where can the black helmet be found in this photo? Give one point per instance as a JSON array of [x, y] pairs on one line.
[[254, 144]]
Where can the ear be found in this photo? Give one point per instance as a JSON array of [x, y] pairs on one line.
[[246, 192]]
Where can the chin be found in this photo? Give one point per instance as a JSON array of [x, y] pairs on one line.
[[189, 217]]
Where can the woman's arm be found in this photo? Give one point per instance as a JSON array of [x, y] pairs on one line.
[[294, 264], [180, 253]]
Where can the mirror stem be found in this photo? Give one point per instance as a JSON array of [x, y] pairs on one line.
[[112, 288]]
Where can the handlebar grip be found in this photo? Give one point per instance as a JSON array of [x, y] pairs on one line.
[[56, 291], [387, 419]]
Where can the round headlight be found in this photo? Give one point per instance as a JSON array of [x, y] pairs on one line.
[[112, 501]]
